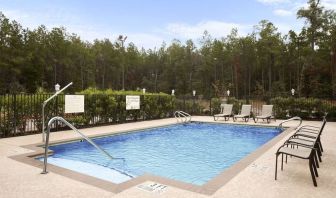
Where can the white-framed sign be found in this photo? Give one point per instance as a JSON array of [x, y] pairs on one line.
[[74, 104], [132, 102]]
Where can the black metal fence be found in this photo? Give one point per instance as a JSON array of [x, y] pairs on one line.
[[284, 107], [20, 114]]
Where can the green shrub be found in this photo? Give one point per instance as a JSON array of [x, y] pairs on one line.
[[216, 102], [110, 105], [306, 108]]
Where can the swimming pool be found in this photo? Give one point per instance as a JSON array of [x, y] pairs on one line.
[[193, 153]]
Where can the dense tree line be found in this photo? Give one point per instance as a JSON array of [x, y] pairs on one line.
[[264, 62]]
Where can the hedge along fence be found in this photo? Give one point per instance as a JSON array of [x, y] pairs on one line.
[[20, 114], [110, 106], [191, 105], [306, 108]]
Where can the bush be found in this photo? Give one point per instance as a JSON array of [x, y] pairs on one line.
[[306, 108], [216, 102], [110, 106], [189, 105], [21, 113]]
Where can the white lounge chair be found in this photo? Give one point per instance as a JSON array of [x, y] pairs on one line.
[[226, 112], [266, 113], [244, 114]]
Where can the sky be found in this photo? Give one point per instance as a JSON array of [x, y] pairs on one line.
[[147, 23]]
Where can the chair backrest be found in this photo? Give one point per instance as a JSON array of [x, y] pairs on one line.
[[227, 108], [246, 109], [267, 110], [323, 124], [321, 129], [222, 108]]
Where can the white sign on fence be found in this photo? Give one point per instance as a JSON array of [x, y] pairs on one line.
[[74, 104], [132, 102]]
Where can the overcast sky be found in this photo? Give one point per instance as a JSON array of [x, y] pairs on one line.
[[148, 23]]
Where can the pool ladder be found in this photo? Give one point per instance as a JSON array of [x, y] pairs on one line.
[[76, 130], [291, 119], [182, 116]]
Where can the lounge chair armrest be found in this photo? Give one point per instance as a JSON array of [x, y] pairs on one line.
[[313, 136], [296, 144], [307, 131], [311, 126]]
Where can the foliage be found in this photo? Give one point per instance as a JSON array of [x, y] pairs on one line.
[[19, 112], [306, 108], [262, 63], [216, 102], [191, 106]]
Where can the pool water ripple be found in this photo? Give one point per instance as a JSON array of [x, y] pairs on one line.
[[193, 153]]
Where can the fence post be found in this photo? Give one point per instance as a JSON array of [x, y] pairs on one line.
[[210, 107], [143, 106], [184, 103], [15, 112], [56, 112]]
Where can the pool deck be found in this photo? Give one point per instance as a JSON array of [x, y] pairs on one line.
[[18, 179]]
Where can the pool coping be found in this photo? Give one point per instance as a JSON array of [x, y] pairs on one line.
[[208, 188]]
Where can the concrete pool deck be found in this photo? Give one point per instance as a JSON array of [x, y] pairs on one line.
[[256, 180]]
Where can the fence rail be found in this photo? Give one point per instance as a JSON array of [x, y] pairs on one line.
[[20, 114]]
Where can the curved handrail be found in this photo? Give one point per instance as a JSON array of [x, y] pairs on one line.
[[76, 130], [291, 119], [186, 115], [44, 105], [180, 115]]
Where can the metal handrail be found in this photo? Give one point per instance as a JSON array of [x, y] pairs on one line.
[[291, 119], [43, 106], [180, 115], [76, 130]]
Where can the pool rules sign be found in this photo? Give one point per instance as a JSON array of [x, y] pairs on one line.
[[132, 102], [74, 104]]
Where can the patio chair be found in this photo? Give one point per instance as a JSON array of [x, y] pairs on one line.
[[266, 114], [302, 152], [308, 134], [226, 112], [244, 114], [303, 149]]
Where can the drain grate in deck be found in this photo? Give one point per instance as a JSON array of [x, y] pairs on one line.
[[153, 187]]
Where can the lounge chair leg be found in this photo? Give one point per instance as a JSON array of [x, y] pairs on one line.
[[320, 144], [281, 161], [312, 171], [286, 158], [319, 147], [314, 168], [316, 161], [276, 165], [318, 153]]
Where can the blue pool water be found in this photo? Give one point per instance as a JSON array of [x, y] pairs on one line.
[[192, 153]]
